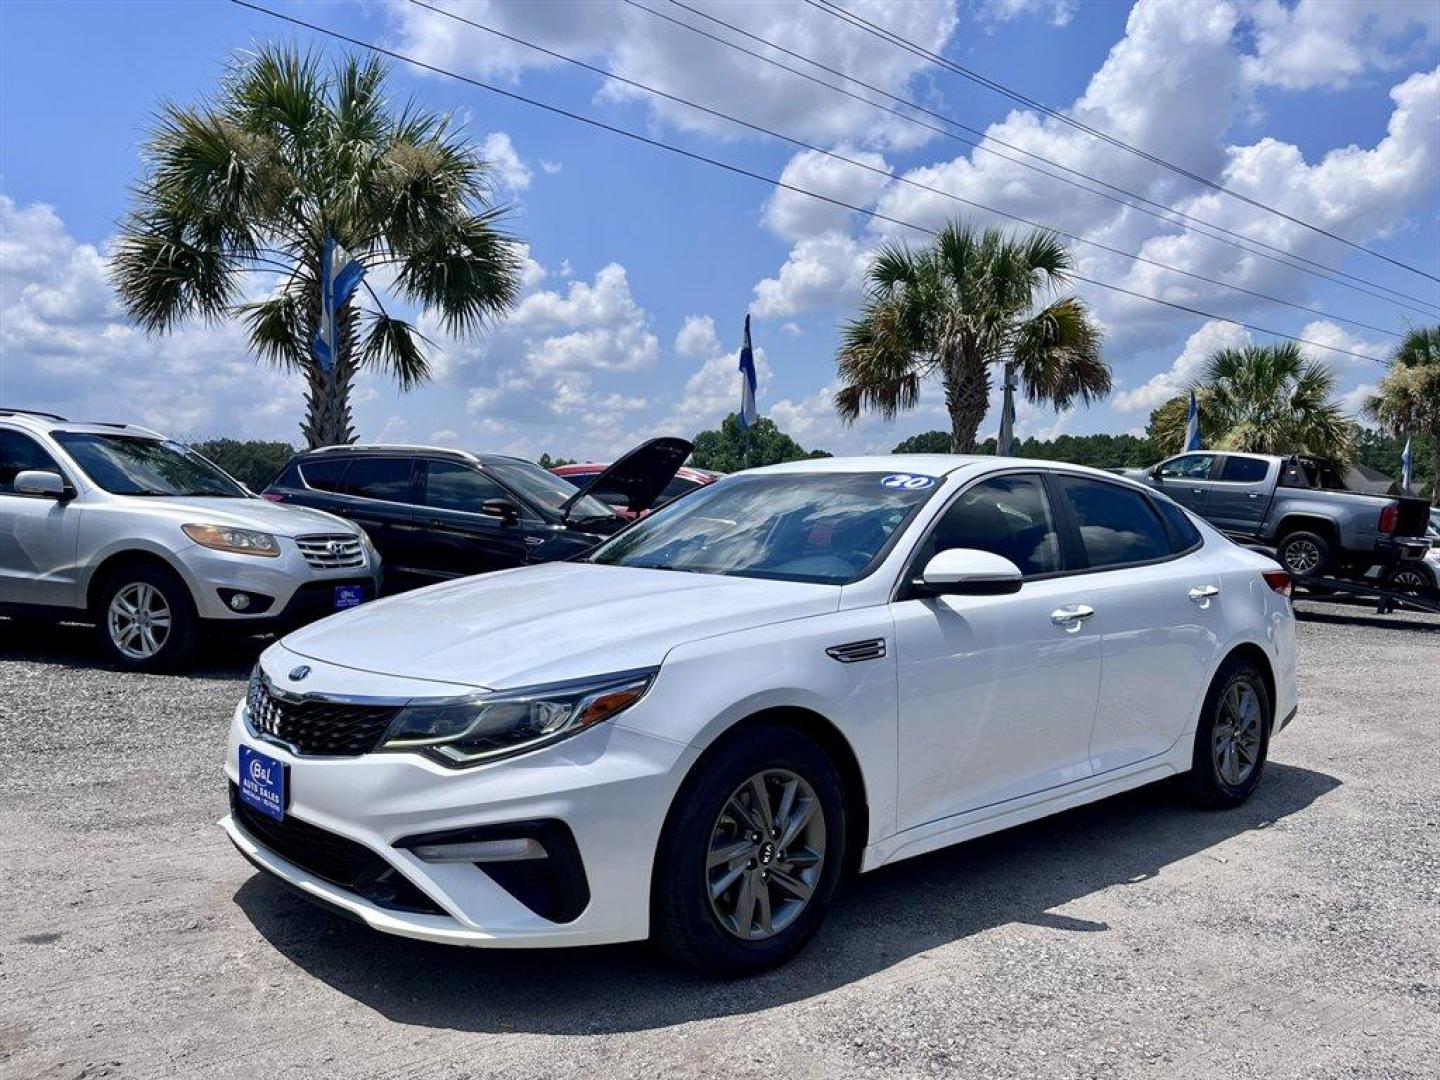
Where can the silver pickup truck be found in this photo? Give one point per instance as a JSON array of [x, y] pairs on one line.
[[1304, 508]]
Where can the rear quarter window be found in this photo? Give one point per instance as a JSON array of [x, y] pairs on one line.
[[1184, 536], [321, 474]]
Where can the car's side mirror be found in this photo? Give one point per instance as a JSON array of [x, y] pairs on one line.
[[43, 482], [969, 572], [1155, 474], [504, 509]]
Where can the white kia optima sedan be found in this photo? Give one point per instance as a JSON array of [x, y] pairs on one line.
[[697, 730]]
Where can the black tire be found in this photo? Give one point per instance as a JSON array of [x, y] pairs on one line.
[[179, 637], [1413, 577], [1209, 786], [1305, 554], [685, 922]]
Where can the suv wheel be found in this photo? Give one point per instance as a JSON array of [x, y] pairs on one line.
[[752, 854], [145, 618], [1305, 554]]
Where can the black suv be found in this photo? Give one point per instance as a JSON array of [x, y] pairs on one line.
[[435, 513]]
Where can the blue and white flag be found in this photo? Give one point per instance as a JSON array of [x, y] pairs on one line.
[[1192, 425], [748, 413], [1407, 467], [340, 276]]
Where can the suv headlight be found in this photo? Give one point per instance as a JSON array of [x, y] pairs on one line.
[[237, 541], [495, 725]]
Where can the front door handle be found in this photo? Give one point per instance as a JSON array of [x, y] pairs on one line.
[[1203, 594], [1072, 616]]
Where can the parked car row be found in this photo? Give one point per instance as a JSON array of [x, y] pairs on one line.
[[689, 724], [116, 524]]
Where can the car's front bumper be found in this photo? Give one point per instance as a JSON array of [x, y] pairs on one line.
[[609, 788], [284, 591]]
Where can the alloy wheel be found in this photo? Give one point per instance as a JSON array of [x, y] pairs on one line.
[[1236, 745], [1301, 557], [1409, 580], [766, 854], [139, 620]]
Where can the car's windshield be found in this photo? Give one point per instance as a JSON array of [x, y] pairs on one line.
[[137, 465], [546, 490], [818, 527]]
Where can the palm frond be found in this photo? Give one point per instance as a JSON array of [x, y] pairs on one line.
[[394, 347], [468, 273], [1058, 354], [278, 329]]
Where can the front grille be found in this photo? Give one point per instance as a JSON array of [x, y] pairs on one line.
[[316, 726], [331, 552], [332, 857]]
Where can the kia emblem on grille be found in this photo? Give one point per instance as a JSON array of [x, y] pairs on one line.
[[300, 673]]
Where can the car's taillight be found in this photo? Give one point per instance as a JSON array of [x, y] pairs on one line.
[[1279, 580], [272, 497], [1389, 518]]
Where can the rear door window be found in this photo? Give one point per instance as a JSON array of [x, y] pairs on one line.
[[1244, 470], [1118, 525], [379, 478]]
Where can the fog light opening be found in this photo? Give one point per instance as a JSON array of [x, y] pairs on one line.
[[240, 601], [483, 851]]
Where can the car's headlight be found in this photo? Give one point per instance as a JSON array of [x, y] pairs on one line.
[[489, 726], [238, 541]]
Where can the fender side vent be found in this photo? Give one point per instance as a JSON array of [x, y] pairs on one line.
[[855, 651]]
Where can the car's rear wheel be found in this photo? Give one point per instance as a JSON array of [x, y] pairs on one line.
[[1411, 579], [1232, 740], [751, 855], [145, 618]]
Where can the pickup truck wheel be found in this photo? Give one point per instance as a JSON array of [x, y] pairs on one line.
[[1305, 554], [145, 619]]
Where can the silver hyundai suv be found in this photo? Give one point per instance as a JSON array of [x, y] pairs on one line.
[[156, 544]]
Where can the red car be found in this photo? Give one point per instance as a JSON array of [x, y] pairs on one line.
[[615, 496]]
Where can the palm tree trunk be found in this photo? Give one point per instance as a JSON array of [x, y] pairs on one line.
[[967, 398], [328, 419]]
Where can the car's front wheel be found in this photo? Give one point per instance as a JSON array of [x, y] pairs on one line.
[[1233, 737], [145, 618], [752, 853]]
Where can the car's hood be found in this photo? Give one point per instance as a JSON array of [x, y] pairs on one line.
[[277, 518], [642, 474], [551, 622]]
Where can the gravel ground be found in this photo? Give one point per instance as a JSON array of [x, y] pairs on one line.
[[1296, 937]]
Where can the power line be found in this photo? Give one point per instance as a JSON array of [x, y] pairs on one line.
[[874, 29], [741, 170], [836, 156], [1161, 211]]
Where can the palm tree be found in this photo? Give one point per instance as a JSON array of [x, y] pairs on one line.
[[1267, 399], [959, 308], [1408, 398], [291, 154]]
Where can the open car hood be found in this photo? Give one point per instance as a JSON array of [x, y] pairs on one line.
[[641, 474]]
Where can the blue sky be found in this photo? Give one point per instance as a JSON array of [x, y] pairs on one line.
[[643, 265]]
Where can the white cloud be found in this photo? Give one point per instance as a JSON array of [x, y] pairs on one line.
[[697, 338], [823, 270], [649, 50], [795, 216], [550, 168], [1059, 12], [1187, 368], [505, 164], [1330, 43], [1354, 402], [1324, 332]]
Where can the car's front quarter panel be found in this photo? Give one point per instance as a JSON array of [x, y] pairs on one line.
[[707, 687]]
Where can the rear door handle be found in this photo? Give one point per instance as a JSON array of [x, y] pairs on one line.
[[1072, 616], [1202, 594], [1253, 495]]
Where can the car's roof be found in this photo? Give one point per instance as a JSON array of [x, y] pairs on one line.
[[50, 423], [933, 465], [412, 450]]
